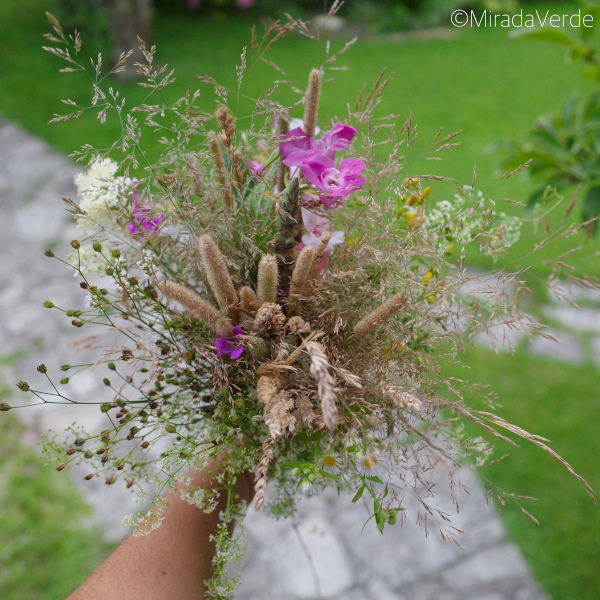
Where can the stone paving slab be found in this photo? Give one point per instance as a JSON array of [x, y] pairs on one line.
[[351, 565]]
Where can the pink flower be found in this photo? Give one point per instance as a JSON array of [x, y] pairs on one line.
[[317, 226], [244, 4], [334, 184], [230, 345], [257, 168], [144, 219], [297, 147]]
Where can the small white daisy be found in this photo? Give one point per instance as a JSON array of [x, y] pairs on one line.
[[372, 464], [331, 463]]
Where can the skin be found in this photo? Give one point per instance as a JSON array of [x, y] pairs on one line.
[[172, 561]]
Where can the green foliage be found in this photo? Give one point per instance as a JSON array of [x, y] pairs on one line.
[[564, 150], [44, 549]]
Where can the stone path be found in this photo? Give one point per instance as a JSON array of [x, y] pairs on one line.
[[349, 565]]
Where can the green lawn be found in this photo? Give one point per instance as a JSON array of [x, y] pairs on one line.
[[45, 547], [560, 402], [481, 81]]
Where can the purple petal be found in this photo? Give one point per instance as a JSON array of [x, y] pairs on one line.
[[314, 168], [352, 166], [236, 353], [338, 138], [237, 330]]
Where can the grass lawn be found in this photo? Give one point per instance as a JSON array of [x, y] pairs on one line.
[[45, 547], [481, 81], [560, 402], [494, 97]]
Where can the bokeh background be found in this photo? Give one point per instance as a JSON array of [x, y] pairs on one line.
[[484, 81]]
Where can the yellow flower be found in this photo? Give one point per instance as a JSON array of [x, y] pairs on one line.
[[427, 277]]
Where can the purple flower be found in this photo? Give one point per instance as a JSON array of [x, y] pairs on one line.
[[257, 168], [230, 345], [334, 184], [144, 219], [297, 147]]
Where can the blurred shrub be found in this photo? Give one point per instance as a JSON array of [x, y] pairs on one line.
[[564, 149]]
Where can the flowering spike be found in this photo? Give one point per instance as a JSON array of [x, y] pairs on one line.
[[320, 252], [197, 307], [380, 315], [299, 286], [227, 124], [218, 276], [217, 154], [248, 300], [283, 126], [268, 279], [311, 102]]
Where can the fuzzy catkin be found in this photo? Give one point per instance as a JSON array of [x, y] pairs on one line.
[[311, 102], [320, 252], [218, 276], [248, 300], [197, 307], [380, 315], [217, 154], [319, 369], [283, 126], [300, 283], [268, 279]]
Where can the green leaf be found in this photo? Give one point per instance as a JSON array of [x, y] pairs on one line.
[[556, 36], [591, 205], [358, 495], [326, 474]]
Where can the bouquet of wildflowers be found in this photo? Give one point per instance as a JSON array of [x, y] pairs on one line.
[[284, 295]]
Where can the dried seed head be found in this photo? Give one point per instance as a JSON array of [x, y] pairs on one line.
[[311, 102], [320, 370], [301, 276], [218, 276], [267, 387], [380, 315], [226, 122], [304, 409], [268, 279], [260, 483], [88, 477], [278, 414], [222, 174], [269, 319], [297, 324], [248, 300]]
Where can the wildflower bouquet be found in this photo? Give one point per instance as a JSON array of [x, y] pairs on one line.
[[284, 298]]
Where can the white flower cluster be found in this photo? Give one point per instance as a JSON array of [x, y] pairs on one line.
[[145, 263], [89, 261], [100, 191]]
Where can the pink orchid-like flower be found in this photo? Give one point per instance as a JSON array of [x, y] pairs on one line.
[[334, 184], [317, 226], [297, 147], [230, 345]]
